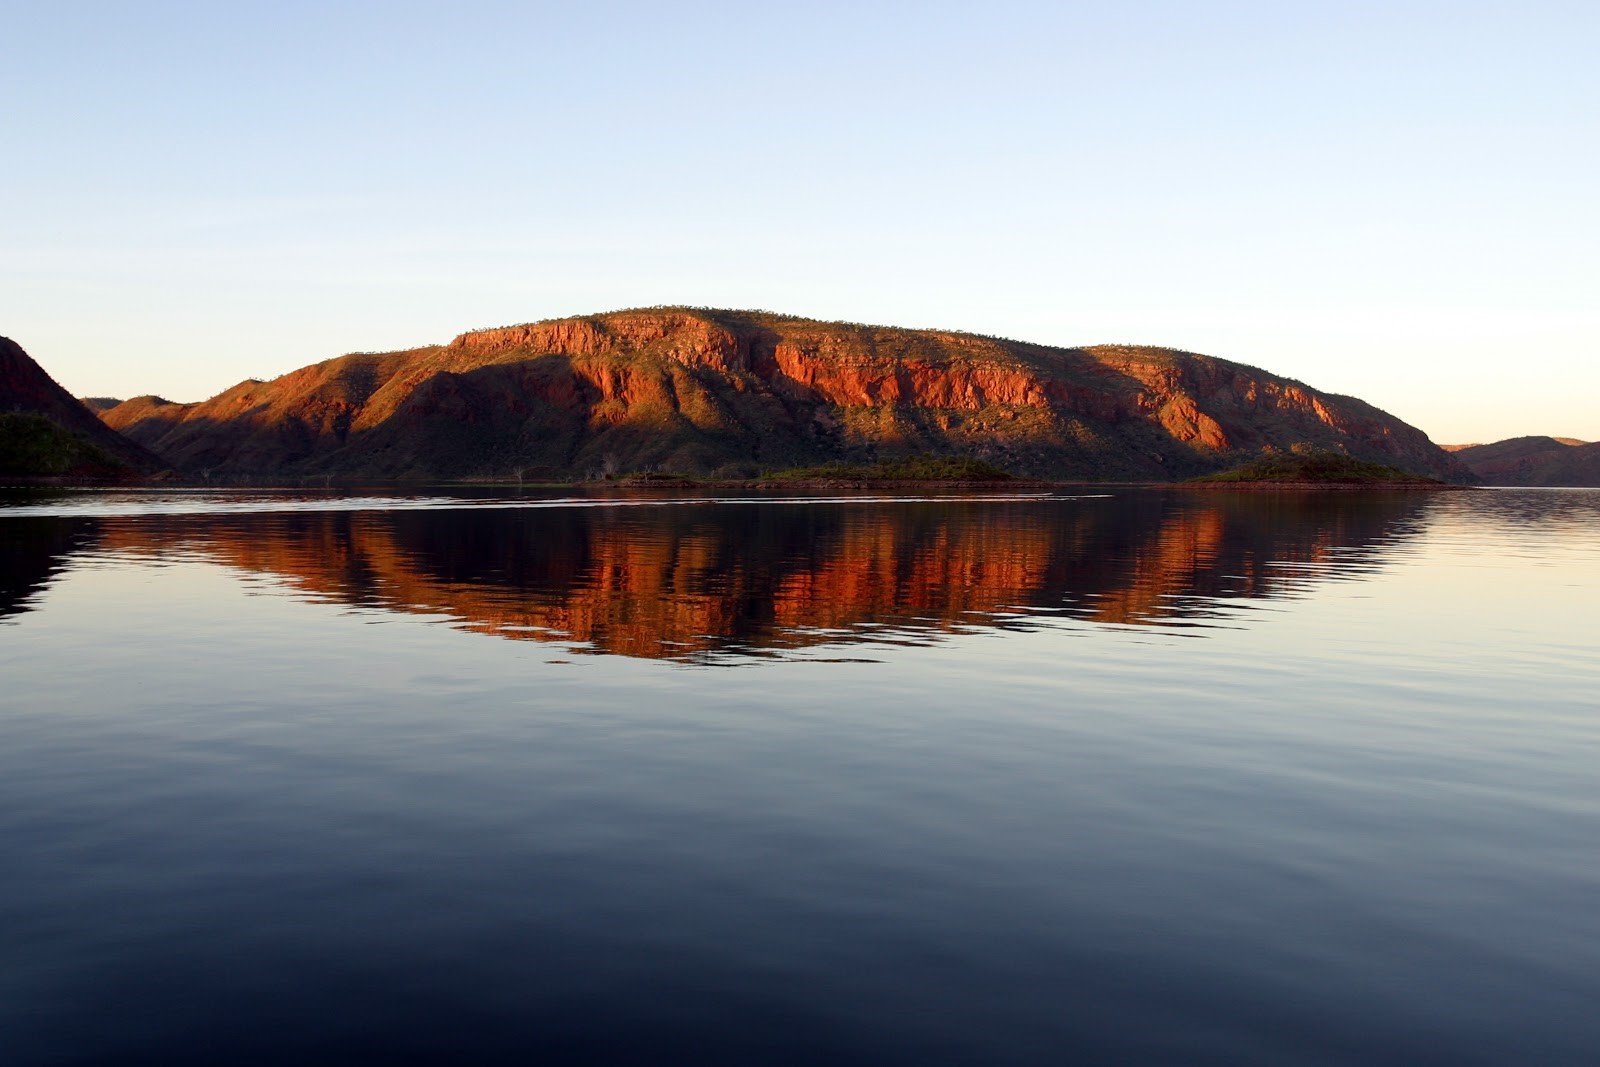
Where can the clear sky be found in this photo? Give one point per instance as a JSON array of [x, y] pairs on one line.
[[1399, 201]]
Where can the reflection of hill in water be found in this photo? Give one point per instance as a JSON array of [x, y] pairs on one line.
[[686, 581], [32, 552]]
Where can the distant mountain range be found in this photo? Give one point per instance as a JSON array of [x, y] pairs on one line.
[[1548, 461], [732, 394]]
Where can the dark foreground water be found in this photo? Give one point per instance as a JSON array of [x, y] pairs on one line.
[[1140, 778]]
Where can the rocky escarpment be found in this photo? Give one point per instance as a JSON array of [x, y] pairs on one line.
[[1548, 461], [25, 389], [733, 393]]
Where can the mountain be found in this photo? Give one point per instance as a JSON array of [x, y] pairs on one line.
[[695, 391], [97, 404], [50, 432], [1534, 461]]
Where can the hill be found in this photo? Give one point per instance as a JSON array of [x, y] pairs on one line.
[[64, 438], [732, 394], [1534, 461]]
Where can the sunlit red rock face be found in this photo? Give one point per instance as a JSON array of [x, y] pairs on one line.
[[681, 583], [732, 393]]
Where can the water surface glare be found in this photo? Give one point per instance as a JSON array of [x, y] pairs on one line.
[[1129, 777]]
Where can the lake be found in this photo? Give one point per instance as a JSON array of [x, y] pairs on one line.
[[1120, 776]]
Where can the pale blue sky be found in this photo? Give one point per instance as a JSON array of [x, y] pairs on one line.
[[1397, 200]]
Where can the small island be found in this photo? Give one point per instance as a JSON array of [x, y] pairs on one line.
[[1279, 471], [907, 473], [910, 471], [1316, 470]]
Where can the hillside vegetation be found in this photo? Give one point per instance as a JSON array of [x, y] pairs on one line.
[[1317, 468], [913, 469], [32, 446]]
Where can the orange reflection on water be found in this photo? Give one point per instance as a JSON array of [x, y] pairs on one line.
[[683, 582]]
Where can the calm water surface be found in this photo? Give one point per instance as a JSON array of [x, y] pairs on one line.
[[1135, 777]]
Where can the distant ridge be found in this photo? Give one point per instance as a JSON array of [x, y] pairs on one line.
[[1482, 444], [1537, 460], [734, 393]]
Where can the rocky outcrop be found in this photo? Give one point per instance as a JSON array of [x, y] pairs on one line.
[[714, 392], [1548, 461], [25, 388]]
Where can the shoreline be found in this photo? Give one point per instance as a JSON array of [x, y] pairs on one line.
[[1271, 487], [758, 485]]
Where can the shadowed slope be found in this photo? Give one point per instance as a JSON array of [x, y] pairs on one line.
[[26, 389], [734, 393]]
